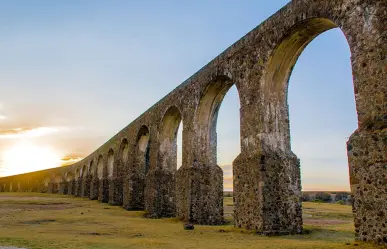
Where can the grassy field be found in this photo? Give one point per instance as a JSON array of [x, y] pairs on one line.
[[55, 221]]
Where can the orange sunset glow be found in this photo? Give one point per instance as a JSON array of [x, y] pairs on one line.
[[27, 157]]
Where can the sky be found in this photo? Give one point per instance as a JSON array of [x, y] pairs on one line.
[[74, 73]]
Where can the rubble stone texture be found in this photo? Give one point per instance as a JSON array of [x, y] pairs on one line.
[[138, 165]]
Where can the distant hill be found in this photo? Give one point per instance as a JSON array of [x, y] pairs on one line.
[[341, 197]]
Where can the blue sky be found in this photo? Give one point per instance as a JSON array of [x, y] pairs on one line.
[[73, 73]]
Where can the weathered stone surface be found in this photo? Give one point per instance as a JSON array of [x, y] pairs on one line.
[[134, 186], [103, 190], [115, 191], [94, 189], [160, 194], [368, 170], [63, 188], [78, 187], [266, 173], [71, 187], [86, 187], [199, 194], [276, 193]]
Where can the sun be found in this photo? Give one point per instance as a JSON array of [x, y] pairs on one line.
[[26, 157]]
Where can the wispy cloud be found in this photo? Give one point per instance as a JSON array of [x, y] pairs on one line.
[[30, 132], [2, 117], [70, 160]]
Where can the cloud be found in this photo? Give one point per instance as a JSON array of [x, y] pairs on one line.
[[70, 160], [2, 117], [30, 132]]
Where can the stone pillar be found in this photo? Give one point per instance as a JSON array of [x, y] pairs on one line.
[[86, 186], [51, 188], [267, 193], [78, 187], [160, 193], [115, 191], [94, 188], [199, 194], [63, 188], [367, 156], [133, 192], [70, 187], [103, 190]]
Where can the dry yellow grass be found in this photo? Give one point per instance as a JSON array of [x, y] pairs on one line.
[[54, 221]]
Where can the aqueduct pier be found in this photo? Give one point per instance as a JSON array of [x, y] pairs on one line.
[[137, 167]]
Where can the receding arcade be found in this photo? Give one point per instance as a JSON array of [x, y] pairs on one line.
[[137, 169]]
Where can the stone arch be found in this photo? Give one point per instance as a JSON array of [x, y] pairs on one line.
[[271, 143], [117, 166], [92, 169], [142, 157], [94, 180], [206, 117], [77, 173], [168, 136], [280, 167], [141, 164], [123, 156], [278, 72], [111, 166], [204, 171], [103, 185], [101, 172], [69, 176], [83, 172]]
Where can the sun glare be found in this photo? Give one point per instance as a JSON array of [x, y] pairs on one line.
[[24, 158]]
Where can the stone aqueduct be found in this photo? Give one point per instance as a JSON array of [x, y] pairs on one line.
[[137, 167]]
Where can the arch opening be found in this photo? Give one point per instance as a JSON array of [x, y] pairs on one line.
[[143, 150], [315, 124], [207, 119], [289, 50], [332, 123], [77, 174], [124, 151], [110, 164], [83, 172], [100, 168], [169, 128], [91, 169], [69, 176], [218, 120]]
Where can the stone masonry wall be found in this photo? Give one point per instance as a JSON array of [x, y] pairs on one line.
[[267, 189]]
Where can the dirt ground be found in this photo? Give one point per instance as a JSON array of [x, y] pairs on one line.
[[36, 221]]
